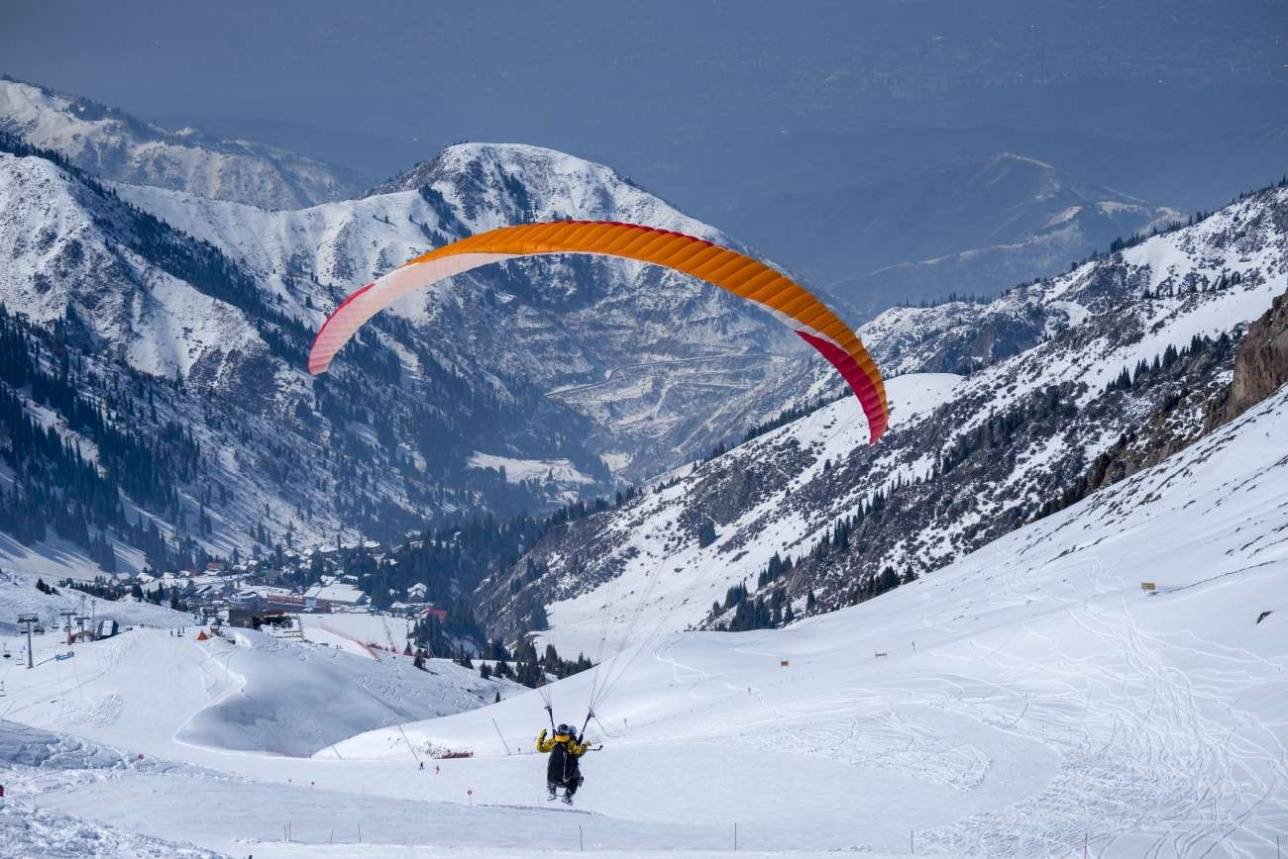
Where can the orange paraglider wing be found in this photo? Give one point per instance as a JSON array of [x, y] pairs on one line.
[[730, 270]]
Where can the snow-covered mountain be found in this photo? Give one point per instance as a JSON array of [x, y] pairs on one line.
[[166, 335], [658, 367], [151, 365], [1072, 383], [112, 144]]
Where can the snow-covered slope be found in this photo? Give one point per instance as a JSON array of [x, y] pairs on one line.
[[245, 692], [115, 145], [1035, 426], [34, 760], [1241, 245], [123, 331], [1024, 696], [29, 831], [67, 253]]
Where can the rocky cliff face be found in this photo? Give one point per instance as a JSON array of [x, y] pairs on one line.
[[1261, 367]]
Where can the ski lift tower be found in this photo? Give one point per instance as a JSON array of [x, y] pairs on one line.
[[30, 620], [67, 615], [81, 618]]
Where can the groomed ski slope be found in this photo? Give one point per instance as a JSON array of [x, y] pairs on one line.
[[1031, 695], [154, 691]]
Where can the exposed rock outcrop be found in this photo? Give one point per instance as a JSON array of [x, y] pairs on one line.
[[1261, 365]]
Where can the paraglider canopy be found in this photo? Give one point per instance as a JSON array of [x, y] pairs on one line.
[[730, 270]]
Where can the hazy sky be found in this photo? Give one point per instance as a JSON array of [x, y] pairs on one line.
[[692, 98]]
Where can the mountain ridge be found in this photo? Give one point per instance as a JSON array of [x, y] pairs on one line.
[[115, 145], [972, 226]]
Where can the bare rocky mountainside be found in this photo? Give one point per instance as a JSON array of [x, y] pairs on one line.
[[1261, 367], [1002, 413], [157, 344]]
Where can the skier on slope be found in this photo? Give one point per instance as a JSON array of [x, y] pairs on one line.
[[562, 769]]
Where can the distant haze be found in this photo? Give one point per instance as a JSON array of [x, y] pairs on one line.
[[722, 107]]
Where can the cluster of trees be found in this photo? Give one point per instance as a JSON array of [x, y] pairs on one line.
[[882, 582], [786, 416], [772, 608], [1172, 368], [174, 597], [581, 509], [837, 540], [1054, 403], [761, 612], [1146, 371], [1121, 244], [1196, 285], [776, 569], [101, 587], [525, 666], [953, 297], [452, 561], [454, 636], [15, 145]]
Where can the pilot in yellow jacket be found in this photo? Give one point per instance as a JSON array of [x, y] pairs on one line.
[[562, 769]]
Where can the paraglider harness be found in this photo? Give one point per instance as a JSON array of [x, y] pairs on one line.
[[563, 769]]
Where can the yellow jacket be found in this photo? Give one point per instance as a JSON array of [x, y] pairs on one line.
[[575, 748]]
